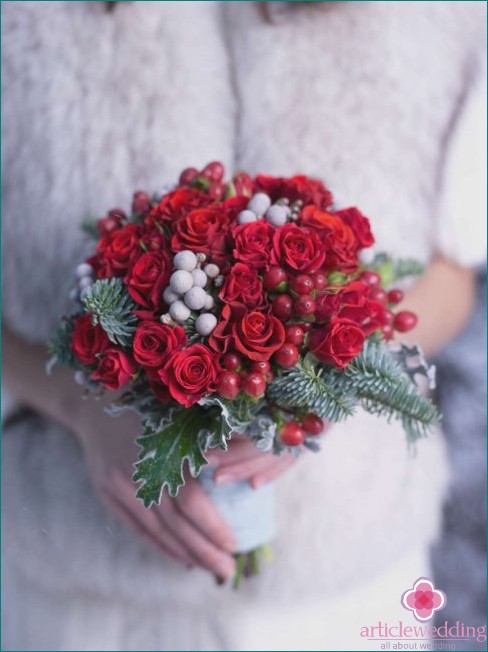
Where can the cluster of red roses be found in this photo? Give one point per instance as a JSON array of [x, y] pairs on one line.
[[284, 290]]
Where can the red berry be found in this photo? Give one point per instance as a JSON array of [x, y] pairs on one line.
[[404, 321], [187, 176], [214, 171], [141, 202], [377, 294], [313, 424], [287, 355], [231, 361], [370, 278], [292, 434], [387, 331], [273, 278], [216, 190], [228, 384], [395, 296], [389, 317], [304, 305], [261, 367], [302, 284], [295, 334], [319, 280], [282, 306], [254, 384]]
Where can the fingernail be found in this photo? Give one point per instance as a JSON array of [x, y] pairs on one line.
[[229, 545], [257, 482], [223, 478]]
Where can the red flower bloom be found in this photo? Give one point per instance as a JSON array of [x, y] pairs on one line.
[[297, 249], [148, 278], [328, 304], [177, 204], [242, 285], [115, 369], [153, 342], [310, 191], [117, 251], [338, 238], [190, 374], [253, 243], [204, 230], [337, 343], [159, 389], [88, 340], [359, 224], [113, 220]]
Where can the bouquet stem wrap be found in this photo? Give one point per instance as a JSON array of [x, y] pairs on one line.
[[249, 512]]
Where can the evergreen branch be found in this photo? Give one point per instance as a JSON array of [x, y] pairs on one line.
[[90, 227], [111, 306], [392, 270], [59, 345]]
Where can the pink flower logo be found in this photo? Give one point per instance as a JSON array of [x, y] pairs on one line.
[[423, 599]]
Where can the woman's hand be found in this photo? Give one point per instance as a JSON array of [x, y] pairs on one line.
[[187, 528]]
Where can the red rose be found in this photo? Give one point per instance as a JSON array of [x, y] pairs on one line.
[[338, 342], [153, 342], [159, 389], [112, 221], [177, 204], [190, 374], [148, 278], [359, 224], [88, 340], [203, 230], [338, 238], [117, 251], [253, 243], [152, 239], [255, 334], [328, 304], [297, 249], [242, 285], [115, 369], [310, 191]]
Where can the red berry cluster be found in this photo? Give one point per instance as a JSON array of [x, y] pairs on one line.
[[293, 433], [210, 179]]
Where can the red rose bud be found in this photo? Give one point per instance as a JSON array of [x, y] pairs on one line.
[[242, 184], [292, 434], [187, 176], [338, 342], [286, 356], [111, 222], [228, 384], [274, 279], [141, 202], [312, 424], [214, 171], [115, 369], [395, 296], [295, 334], [404, 321], [254, 385]]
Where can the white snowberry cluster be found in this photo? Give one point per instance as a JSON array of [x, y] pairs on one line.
[[260, 206], [186, 291], [84, 280]]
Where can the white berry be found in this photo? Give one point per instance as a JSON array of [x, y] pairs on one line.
[[245, 217], [195, 298], [181, 281], [178, 311], [201, 257], [80, 378], [209, 302], [199, 278], [84, 269], [185, 260], [85, 282], [259, 203], [219, 281], [170, 296], [277, 215], [205, 323], [211, 270]]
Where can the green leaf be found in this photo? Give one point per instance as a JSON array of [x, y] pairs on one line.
[[183, 435], [59, 345], [90, 227], [111, 306]]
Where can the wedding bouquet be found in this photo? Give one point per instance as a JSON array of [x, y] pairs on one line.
[[240, 307]]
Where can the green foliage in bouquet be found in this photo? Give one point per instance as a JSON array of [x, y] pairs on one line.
[[59, 345]]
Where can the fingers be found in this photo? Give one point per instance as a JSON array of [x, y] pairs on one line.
[[258, 469], [239, 449], [194, 504], [207, 554], [273, 471]]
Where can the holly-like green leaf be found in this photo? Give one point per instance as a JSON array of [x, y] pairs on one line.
[[183, 435]]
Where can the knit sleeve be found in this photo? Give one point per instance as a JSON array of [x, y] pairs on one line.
[[461, 222]]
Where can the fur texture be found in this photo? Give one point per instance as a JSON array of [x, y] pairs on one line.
[[366, 95]]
